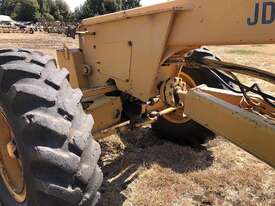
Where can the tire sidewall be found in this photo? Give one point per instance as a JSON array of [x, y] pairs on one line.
[[25, 96]]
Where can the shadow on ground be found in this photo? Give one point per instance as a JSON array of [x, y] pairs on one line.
[[141, 150]]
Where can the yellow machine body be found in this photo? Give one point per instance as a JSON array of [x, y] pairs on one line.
[[130, 46], [140, 48]]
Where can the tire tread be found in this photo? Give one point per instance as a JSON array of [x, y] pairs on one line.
[[49, 120]]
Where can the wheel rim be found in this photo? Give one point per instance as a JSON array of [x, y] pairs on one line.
[[178, 116], [10, 168]]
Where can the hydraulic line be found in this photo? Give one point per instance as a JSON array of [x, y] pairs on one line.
[[205, 59], [202, 58]]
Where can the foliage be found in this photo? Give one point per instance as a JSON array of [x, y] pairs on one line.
[[99, 7], [25, 10], [36, 10], [58, 10], [129, 4]]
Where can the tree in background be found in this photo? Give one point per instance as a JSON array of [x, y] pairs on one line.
[[129, 4], [58, 10], [7, 7], [62, 10], [99, 7], [54, 10], [26, 10], [36, 10]]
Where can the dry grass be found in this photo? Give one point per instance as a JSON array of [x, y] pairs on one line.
[[47, 43], [142, 170], [161, 173]]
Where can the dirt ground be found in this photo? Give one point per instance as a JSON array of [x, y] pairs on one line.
[[142, 170]]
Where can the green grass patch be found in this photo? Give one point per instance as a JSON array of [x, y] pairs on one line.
[[243, 52], [258, 45]]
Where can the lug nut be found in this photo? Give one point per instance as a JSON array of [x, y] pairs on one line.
[[181, 104], [11, 149]]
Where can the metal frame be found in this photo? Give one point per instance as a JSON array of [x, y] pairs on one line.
[[218, 111], [139, 49]]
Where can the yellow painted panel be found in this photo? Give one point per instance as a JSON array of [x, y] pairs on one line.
[[249, 131], [114, 59]]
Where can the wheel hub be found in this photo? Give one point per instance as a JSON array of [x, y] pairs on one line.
[[178, 116], [10, 167]]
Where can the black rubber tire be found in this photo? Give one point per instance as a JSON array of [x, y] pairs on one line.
[[52, 132], [190, 133]]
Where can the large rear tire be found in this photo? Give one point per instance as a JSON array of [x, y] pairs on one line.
[[51, 132], [190, 132]]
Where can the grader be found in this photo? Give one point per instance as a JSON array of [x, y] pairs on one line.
[[137, 67]]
